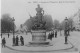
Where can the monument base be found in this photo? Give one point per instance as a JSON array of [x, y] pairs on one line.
[[36, 44], [38, 38]]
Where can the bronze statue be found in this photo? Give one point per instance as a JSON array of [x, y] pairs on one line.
[[39, 23]]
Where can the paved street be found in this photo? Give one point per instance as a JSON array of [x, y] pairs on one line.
[[73, 38]]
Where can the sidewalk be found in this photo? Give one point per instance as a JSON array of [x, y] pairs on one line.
[[58, 45]]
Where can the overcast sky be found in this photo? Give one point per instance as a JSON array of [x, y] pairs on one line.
[[20, 9]]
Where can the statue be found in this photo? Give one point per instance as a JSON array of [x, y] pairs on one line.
[[38, 30], [39, 23]]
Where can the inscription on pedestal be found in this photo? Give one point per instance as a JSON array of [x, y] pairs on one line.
[[39, 36]]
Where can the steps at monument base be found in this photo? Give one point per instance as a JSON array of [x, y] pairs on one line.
[[39, 43]]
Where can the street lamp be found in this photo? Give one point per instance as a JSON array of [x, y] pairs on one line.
[[66, 30], [13, 25]]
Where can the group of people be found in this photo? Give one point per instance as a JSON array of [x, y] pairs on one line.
[[52, 35], [16, 41]]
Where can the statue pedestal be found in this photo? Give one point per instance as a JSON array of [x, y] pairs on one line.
[[38, 38]]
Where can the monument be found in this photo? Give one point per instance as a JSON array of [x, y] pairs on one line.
[[38, 29]]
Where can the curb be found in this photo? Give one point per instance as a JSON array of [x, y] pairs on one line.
[[76, 49], [39, 51], [42, 50]]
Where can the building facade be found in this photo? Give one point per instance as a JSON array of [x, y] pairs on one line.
[[76, 20]]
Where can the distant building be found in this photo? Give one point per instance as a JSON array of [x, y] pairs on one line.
[[76, 19]]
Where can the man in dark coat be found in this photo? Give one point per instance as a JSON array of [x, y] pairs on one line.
[[55, 34], [50, 36], [17, 40], [14, 40], [22, 40], [3, 42]]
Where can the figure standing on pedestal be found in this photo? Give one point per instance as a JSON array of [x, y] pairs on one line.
[[39, 23], [38, 29]]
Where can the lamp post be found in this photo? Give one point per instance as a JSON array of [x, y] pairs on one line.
[[13, 25], [66, 30]]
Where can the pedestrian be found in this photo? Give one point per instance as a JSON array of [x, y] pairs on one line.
[[55, 34], [22, 40], [17, 40], [3, 42], [50, 36], [8, 35], [14, 41], [1, 35]]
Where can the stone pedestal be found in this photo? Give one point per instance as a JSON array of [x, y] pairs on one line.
[[38, 37]]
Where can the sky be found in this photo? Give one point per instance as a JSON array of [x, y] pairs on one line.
[[58, 9]]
